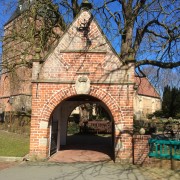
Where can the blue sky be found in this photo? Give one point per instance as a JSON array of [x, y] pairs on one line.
[[7, 7], [112, 32]]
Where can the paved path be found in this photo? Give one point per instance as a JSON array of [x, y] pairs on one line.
[[84, 171], [85, 153]]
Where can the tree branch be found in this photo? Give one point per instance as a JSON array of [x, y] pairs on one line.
[[164, 65]]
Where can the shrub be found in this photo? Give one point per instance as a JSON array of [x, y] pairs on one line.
[[149, 127], [177, 116], [158, 113], [73, 128], [149, 116], [16, 122]]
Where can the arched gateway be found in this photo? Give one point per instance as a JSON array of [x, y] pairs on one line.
[[82, 67], [59, 123]]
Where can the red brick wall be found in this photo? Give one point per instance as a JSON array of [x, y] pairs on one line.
[[141, 149], [16, 78], [48, 96], [18, 49]]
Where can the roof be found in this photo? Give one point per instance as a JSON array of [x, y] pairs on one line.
[[22, 6], [145, 88], [70, 26], [14, 15]]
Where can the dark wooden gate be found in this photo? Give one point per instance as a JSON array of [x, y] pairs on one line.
[[54, 134]]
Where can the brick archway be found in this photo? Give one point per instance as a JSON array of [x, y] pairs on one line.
[[65, 93], [40, 130]]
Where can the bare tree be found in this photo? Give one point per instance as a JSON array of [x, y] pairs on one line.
[[143, 31], [160, 78], [32, 30], [146, 31]]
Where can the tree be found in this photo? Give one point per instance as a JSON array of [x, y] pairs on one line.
[[160, 78], [32, 30], [143, 31], [171, 101], [146, 31], [36, 29]]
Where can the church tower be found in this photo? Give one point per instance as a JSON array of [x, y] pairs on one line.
[[26, 38]]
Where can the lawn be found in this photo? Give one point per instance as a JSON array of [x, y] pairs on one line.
[[12, 144]]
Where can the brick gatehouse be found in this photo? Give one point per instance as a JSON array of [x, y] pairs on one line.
[[83, 67]]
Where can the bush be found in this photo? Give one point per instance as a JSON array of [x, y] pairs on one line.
[[73, 128], [138, 124], [149, 127], [15, 122], [177, 116], [158, 113], [149, 116]]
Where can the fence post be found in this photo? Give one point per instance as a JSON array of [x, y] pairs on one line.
[[172, 161]]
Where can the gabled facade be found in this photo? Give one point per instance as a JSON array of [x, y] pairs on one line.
[[146, 100], [82, 68]]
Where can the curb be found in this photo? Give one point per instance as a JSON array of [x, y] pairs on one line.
[[10, 159]]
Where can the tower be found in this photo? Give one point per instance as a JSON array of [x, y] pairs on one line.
[[26, 39]]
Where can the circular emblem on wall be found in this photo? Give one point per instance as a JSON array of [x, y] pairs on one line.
[[82, 85]]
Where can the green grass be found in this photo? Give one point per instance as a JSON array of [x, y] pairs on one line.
[[12, 144]]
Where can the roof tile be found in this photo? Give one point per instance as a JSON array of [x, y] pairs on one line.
[[145, 87]]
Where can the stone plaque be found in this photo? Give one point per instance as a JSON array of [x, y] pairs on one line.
[[82, 85]]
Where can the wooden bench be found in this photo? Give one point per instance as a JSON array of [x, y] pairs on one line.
[[96, 126]]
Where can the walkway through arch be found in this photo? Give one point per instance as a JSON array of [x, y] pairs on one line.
[[79, 146]]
